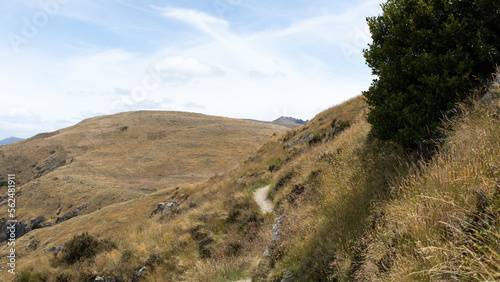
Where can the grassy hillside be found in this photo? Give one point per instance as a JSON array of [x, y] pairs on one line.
[[113, 160], [110, 159], [346, 207]]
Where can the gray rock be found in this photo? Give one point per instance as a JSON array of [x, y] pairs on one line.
[[172, 204], [276, 234], [55, 248], [266, 252], [161, 206], [276, 229], [33, 245], [67, 216], [141, 272], [72, 213], [21, 228], [48, 224]]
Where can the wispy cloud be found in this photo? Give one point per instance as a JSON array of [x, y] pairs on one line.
[[185, 68], [95, 56], [194, 18]]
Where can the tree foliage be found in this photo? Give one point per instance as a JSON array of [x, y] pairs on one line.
[[427, 55]]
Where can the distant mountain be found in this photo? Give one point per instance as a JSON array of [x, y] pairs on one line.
[[289, 121], [9, 140]]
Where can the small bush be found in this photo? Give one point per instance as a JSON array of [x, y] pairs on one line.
[[316, 139], [31, 276], [274, 164], [36, 225], [243, 213], [84, 246]]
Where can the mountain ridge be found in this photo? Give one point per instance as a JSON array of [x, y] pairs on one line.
[[9, 140]]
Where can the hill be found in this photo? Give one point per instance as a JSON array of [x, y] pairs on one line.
[[112, 159], [9, 140], [289, 122], [346, 207]]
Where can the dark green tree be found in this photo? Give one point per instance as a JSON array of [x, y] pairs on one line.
[[427, 55]]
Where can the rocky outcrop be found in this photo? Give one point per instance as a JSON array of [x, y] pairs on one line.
[[72, 214], [37, 222], [299, 140], [20, 228], [162, 208], [276, 234], [495, 86]]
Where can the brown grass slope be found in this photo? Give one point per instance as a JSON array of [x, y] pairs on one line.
[[350, 208], [111, 159], [216, 231]]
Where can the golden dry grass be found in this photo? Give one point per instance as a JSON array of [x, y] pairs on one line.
[[445, 224], [353, 208], [105, 160], [121, 166]]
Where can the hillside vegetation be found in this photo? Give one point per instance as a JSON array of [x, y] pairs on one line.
[[110, 159], [346, 207]]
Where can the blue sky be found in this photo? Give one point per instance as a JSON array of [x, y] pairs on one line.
[[67, 60]]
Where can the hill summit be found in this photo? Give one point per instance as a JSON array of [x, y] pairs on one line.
[[289, 121]]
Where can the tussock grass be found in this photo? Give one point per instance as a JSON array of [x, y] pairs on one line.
[[350, 208], [445, 223], [122, 166]]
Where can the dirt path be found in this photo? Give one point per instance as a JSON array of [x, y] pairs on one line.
[[260, 196], [265, 205]]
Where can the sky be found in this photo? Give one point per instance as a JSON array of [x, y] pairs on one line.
[[67, 60]]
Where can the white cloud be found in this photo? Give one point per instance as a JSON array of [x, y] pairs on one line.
[[104, 68], [307, 60], [194, 18], [17, 115], [185, 68]]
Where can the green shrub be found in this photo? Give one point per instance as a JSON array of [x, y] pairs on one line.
[[84, 246], [31, 276], [316, 139], [36, 225], [427, 55], [275, 164]]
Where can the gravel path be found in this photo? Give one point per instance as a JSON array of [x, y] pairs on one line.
[[260, 196]]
